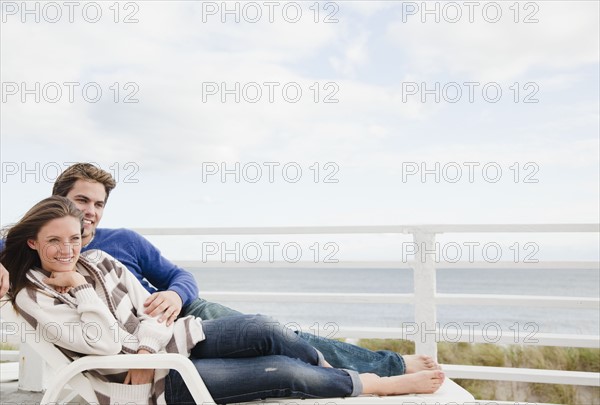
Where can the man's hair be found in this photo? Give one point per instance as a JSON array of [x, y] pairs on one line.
[[82, 171]]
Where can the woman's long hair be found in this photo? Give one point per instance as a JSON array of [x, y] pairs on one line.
[[17, 256]]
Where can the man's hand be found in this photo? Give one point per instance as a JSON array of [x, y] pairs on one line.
[[139, 376], [167, 304], [3, 280]]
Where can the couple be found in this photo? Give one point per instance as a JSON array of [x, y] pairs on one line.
[[228, 349]]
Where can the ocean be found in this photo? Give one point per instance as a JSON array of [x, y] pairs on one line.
[[527, 321]]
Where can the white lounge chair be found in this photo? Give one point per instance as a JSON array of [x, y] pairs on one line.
[[69, 383]]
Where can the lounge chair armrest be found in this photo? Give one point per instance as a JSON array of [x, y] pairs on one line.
[[127, 361]]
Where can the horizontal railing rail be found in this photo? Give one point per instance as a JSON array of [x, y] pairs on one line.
[[389, 264], [387, 298], [362, 229]]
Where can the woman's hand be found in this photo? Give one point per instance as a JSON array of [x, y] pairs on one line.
[[139, 376], [65, 281]]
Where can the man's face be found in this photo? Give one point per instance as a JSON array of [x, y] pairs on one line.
[[89, 197]]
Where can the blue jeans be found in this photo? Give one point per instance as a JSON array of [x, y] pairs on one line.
[[248, 357], [384, 363]]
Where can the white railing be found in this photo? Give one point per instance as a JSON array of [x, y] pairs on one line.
[[425, 298]]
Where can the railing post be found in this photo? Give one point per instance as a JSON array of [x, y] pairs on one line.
[[425, 290]]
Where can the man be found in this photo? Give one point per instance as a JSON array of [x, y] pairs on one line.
[[174, 291]]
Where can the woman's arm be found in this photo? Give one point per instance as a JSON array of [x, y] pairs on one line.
[[89, 328], [152, 334]]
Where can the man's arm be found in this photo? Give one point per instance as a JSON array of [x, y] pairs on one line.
[[177, 286], [3, 281]]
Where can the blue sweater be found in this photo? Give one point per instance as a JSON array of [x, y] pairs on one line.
[[144, 260]]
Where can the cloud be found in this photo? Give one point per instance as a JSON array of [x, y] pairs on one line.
[[504, 50], [355, 54], [361, 61]]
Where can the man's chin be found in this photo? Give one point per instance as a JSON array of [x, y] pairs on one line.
[[87, 236]]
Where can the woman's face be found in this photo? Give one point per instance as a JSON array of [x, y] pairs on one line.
[[58, 244]]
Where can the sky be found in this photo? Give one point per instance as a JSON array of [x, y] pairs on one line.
[[217, 114]]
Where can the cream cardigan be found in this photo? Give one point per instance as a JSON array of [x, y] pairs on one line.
[[104, 317]]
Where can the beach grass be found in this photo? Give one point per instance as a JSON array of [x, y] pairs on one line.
[[8, 346], [539, 357]]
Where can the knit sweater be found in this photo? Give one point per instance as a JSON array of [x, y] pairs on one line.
[[105, 317]]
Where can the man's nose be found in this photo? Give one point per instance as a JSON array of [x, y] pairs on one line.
[[88, 209]]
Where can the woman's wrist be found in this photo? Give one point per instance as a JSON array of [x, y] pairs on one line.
[[78, 280]]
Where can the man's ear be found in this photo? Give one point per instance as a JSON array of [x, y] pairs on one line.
[[32, 244]]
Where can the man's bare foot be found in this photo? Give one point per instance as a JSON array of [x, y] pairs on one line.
[[421, 382], [419, 362]]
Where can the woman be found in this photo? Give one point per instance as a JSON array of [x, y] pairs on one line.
[[96, 307]]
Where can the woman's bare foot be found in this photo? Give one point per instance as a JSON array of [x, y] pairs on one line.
[[419, 362], [421, 382]]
